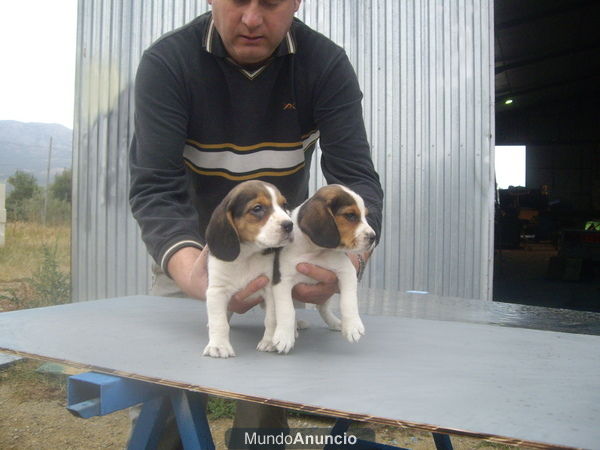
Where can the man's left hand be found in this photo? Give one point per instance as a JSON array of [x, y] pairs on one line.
[[326, 286]]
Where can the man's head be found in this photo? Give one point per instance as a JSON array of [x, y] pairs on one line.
[[252, 29]]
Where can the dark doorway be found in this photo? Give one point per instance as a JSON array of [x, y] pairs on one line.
[[547, 238]]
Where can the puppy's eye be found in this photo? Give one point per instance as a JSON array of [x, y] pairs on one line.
[[257, 209], [351, 217]]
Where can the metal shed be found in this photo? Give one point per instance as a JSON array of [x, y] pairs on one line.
[[426, 70]]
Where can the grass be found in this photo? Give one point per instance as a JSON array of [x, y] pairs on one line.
[[22, 253], [34, 265], [26, 383]]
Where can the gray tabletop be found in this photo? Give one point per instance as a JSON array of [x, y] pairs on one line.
[[429, 306], [470, 367]]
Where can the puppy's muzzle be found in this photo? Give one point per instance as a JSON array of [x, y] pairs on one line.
[[287, 226], [371, 237]]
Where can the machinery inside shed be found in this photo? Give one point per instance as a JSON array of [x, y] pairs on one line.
[[547, 77]]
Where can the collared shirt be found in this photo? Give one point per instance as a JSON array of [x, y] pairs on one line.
[[204, 124], [214, 44]]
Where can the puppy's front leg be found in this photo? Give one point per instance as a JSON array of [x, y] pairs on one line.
[[285, 332], [266, 343], [352, 326], [332, 321], [218, 346]]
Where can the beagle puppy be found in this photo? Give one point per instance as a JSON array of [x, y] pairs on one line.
[[244, 233], [326, 227]]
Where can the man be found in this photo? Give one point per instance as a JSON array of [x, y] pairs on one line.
[[241, 92]]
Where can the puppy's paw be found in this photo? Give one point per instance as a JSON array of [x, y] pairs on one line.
[[219, 350], [284, 340], [302, 324], [353, 329], [334, 323], [266, 345]]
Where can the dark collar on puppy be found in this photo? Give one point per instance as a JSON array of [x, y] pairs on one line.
[[276, 271]]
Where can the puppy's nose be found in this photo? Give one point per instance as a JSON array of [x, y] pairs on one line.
[[371, 237], [287, 226]]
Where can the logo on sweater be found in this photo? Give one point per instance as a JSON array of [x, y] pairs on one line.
[[289, 106]]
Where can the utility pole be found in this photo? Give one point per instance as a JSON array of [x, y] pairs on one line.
[[47, 182], [2, 215]]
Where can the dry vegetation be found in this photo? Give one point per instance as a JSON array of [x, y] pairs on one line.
[[34, 265], [21, 255]]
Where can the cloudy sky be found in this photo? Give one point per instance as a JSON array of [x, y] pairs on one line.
[[37, 44]]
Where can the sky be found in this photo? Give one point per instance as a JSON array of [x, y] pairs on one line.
[[37, 47]]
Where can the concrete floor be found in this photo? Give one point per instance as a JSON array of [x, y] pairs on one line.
[[520, 276]]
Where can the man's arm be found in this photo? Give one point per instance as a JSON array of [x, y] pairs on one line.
[[188, 267], [346, 155], [159, 190]]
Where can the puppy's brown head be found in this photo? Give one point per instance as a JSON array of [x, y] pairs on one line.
[[252, 212], [335, 217]]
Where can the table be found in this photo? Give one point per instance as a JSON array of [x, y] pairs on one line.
[[483, 369]]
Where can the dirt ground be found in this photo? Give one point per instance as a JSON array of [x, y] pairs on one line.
[[33, 417]]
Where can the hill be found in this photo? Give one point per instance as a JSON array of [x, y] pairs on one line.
[[24, 146]]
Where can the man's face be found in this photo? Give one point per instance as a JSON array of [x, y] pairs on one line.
[[252, 29]]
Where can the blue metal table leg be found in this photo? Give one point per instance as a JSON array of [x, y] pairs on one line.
[[149, 424], [189, 408], [341, 426], [95, 394], [442, 441]]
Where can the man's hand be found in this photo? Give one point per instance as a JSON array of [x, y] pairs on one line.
[[326, 286], [189, 269], [242, 301], [319, 293]]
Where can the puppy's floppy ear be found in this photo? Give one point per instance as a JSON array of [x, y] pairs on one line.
[[221, 236], [316, 220]]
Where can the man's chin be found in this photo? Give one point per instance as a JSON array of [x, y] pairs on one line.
[[250, 57]]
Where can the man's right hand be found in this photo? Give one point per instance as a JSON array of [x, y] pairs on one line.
[[189, 269]]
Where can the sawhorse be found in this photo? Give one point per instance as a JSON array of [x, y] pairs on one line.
[[95, 394], [442, 441]]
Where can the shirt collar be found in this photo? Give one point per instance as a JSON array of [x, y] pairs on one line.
[[214, 45]]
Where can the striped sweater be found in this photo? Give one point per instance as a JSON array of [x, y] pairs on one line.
[[204, 124]]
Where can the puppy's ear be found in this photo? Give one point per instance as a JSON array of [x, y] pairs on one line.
[[221, 236], [316, 220]]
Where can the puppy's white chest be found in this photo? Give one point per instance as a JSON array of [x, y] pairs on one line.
[[237, 274]]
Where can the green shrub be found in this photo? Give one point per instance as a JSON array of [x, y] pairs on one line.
[[32, 210], [47, 286], [218, 408], [25, 202], [50, 285]]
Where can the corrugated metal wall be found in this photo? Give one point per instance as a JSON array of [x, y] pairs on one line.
[[425, 67]]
